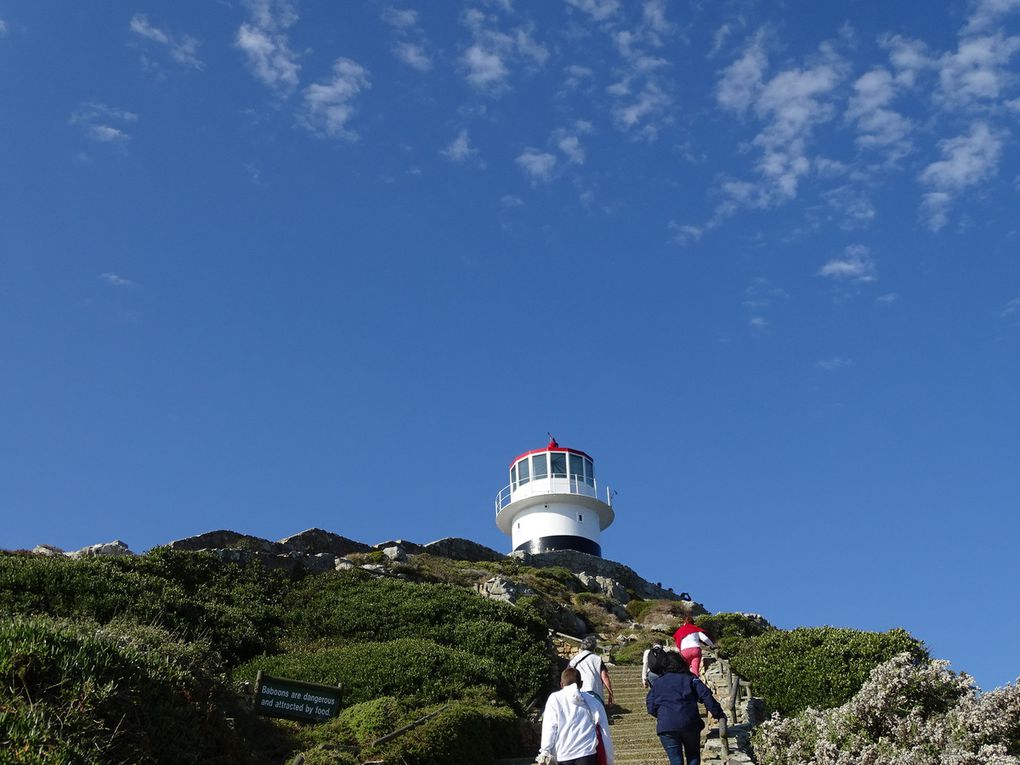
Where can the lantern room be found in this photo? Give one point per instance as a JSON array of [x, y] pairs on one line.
[[554, 502]]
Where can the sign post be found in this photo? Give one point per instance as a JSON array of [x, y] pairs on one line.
[[295, 700]]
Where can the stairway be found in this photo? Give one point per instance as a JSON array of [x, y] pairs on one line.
[[633, 729]]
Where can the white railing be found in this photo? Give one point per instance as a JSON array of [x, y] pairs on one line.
[[556, 484]]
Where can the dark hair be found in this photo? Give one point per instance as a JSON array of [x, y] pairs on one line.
[[590, 642], [570, 676], [673, 662]]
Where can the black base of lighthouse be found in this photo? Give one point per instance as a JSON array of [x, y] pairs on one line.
[[551, 544]]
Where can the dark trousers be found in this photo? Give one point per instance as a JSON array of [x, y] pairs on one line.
[[588, 759], [681, 743]]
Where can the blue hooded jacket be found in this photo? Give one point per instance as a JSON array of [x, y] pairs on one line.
[[673, 701]]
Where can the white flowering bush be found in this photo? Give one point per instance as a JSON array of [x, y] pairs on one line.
[[908, 712]]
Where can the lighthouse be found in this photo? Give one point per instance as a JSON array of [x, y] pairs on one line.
[[553, 502]]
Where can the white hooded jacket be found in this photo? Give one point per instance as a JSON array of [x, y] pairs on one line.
[[568, 725]]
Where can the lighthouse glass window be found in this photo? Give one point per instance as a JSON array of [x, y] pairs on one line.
[[558, 463], [540, 466], [522, 471], [576, 467], [589, 473]]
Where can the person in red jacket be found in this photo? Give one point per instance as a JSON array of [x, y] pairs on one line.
[[689, 639]]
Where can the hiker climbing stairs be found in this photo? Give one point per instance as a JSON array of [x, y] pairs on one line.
[[633, 729]]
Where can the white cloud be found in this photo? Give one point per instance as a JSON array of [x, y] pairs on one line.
[[488, 59], [460, 148], [3, 27], [887, 298], [266, 46], [328, 106], [685, 233], [568, 141], [976, 73], [413, 54], [102, 123], [1012, 307], [987, 13], [909, 58], [410, 47], [855, 265], [183, 50], [537, 165], [576, 75], [836, 362], [400, 18], [967, 161], [599, 10], [741, 82], [758, 323], [878, 126], [117, 281]]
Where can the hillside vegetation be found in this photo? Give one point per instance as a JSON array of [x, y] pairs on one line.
[[149, 659]]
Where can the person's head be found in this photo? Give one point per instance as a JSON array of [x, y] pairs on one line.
[[570, 676], [673, 662], [657, 643], [590, 643]]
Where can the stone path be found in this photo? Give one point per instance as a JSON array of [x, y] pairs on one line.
[[633, 729]]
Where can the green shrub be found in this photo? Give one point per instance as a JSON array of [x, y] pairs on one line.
[[819, 667], [729, 630], [78, 692], [371, 719], [193, 595], [462, 733], [559, 574], [417, 671], [350, 606]]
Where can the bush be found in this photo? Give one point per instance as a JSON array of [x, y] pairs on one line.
[[193, 595], [909, 712], [729, 631], [463, 733], [819, 667], [349, 606], [419, 672], [77, 692]]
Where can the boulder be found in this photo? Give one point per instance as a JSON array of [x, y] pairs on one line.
[[501, 588], [224, 539], [342, 564], [316, 541], [607, 586], [409, 547], [456, 548], [579, 561], [114, 549], [48, 551], [395, 553]]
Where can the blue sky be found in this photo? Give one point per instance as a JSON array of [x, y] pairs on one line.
[[274, 264]]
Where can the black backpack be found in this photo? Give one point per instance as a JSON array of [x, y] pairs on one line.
[[656, 659]]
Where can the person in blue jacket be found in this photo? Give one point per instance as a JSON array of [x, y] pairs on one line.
[[673, 701]]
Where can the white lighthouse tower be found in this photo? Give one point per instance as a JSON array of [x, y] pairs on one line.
[[553, 502]]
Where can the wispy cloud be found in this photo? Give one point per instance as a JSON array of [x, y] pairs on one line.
[[1011, 308], [487, 61], [878, 126], [537, 165], [967, 160], [264, 41], [856, 265], [790, 105], [328, 106], [410, 46], [988, 13], [460, 149], [976, 73], [887, 298], [182, 49], [3, 28], [835, 363], [119, 282], [568, 141], [598, 10], [102, 123]]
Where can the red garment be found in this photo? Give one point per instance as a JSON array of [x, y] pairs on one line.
[[684, 631]]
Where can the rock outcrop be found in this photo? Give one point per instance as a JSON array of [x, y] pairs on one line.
[[462, 549], [592, 565], [315, 541]]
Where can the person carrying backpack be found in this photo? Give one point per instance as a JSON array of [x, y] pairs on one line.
[[673, 701], [651, 663], [594, 675]]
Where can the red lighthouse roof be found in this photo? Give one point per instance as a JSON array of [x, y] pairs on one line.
[[552, 446]]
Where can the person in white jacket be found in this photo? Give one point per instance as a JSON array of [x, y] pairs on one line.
[[569, 725]]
